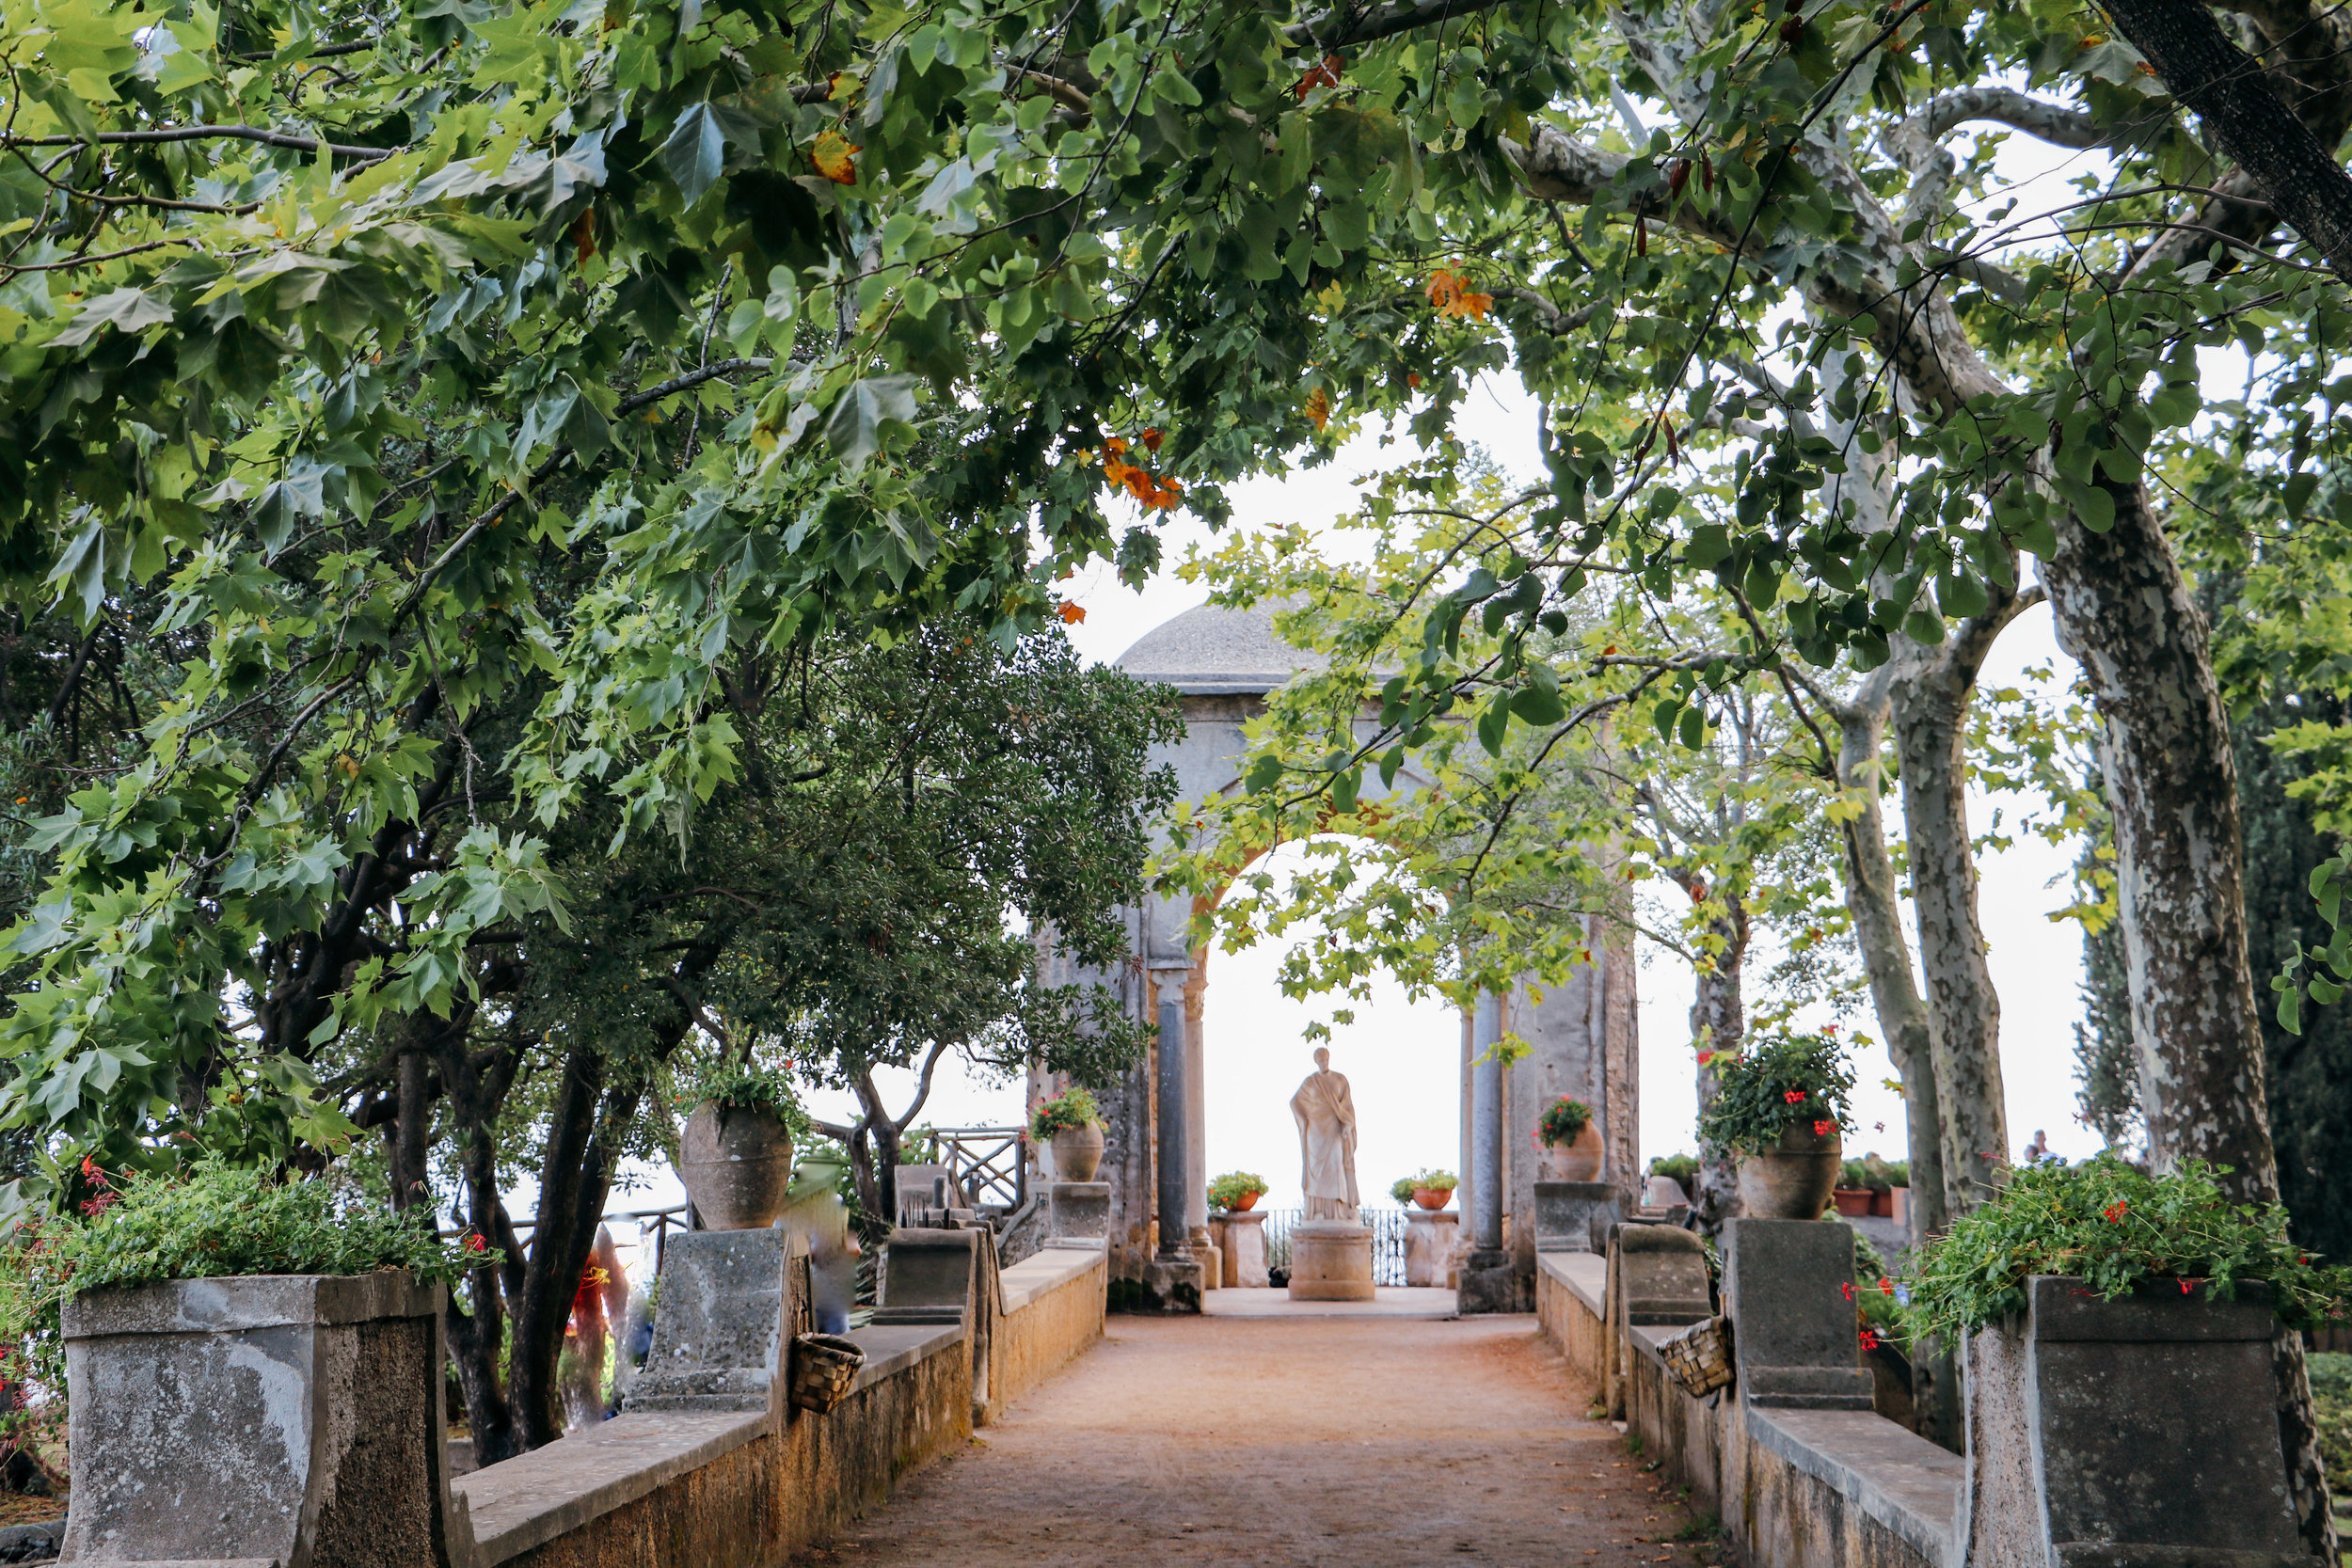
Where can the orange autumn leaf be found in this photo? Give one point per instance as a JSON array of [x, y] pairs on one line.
[[1070, 615], [1115, 445], [1319, 407], [584, 235], [1449, 292], [1412, 379], [1151, 439], [832, 157], [1323, 75]]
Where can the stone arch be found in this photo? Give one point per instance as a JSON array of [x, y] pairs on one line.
[[1223, 663]]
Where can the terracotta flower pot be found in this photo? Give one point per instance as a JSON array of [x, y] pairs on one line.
[[1079, 1152], [1792, 1180], [1433, 1199], [1579, 1161], [1852, 1202], [735, 1161], [1243, 1204], [1883, 1202]]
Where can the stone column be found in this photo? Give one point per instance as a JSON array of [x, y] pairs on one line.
[[1487, 1282], [1174, 1277]]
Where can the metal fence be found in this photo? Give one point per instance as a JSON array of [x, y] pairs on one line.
[[1388, 1241]]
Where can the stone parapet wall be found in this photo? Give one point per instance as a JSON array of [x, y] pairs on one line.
[[1051, 1309], [718, 1469], [1794, 1488]]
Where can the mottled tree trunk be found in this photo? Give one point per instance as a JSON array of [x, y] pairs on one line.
[[1718, 1020], [2126, 614], [1931, 689], [1872, 902]]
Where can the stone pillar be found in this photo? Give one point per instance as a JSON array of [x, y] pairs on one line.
[[1574, 1216], [1174, 1276], [1487, 1282], [2138, 1431], [1429, 1238], [1330, 1261], [1081, 1212], [1794, 1330], [1197, 1108]]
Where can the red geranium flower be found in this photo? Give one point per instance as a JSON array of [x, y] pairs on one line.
[[2114, 1211], [1823, 1129], [1869, 1339], [1794, 1097], [1846, 1288]]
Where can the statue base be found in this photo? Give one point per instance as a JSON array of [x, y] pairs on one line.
[[1330, 1261]]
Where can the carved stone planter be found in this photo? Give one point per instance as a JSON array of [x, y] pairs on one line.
[[1079, 1152], [735, 1163], [2140, 1430], [1579, 1159], [294, 1418], [1791, 1181]]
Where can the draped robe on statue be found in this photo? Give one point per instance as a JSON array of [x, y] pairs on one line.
[[1327, 1141]]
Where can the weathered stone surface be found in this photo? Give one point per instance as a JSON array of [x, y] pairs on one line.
[[2113, 1434], [1565, 1213], [1662, 1276], [719, 1339], [1330, 1261], [1243, 1249], [1169, 1285], [1785, 1285], [257, 1434], [1081, 1210], [1430, 1237], [930, 1277]]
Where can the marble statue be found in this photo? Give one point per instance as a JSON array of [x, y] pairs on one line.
[[1327, 1143]]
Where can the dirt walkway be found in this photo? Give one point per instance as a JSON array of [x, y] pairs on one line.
[[1362, 1443]]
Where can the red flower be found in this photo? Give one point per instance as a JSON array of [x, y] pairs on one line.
[[1886, 1287], [1706, 1056], [475, 1244], [1846, 1288], [1794, 1097], [91, 1174], [2114, 1211], [1823, 1129], [1869, 1339]]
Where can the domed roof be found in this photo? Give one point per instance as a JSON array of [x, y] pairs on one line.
[[1210, 651]]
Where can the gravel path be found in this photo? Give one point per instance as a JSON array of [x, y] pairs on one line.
[[1357, 1442]]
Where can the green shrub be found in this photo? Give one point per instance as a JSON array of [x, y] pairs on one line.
[[1067, 1112], [1682, 1167], [2331, 1400], [1435, 1181], [1787, 1082], [1234, 1186], [737, 1085], [1400, 1190], [2114, 1226]]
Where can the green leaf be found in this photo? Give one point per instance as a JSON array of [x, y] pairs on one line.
[[131, 309], [695, 152], [855, 428]]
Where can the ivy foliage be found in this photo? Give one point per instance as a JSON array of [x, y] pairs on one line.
[[2118, 1229]]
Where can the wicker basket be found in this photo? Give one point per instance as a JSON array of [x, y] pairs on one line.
[[1700, 1356], [823, 1368]]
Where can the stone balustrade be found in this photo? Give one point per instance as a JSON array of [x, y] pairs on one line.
[[297, 1422]]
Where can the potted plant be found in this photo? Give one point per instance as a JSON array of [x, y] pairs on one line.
[[2098, 1305], [1237, 1192], [1433, 1189], [1890, 1188], [1671, 1180], [735, 1156], [1852, 1192], [1073, 1125], [1780, 1109], [1570, 1139], [221, 1334]]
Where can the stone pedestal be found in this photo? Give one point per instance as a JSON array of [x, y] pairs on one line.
[[719, 1342], [1172, 1286], [1661, 1276], [1242, 1238], [1212, 1259], [1081, 1211], [1794, 1331], [1330, 1261], [282, 1418], [1429, 1236], [1568, 1213], [2137, 1430]]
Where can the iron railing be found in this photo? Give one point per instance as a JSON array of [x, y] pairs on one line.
[[1388, 1241]]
